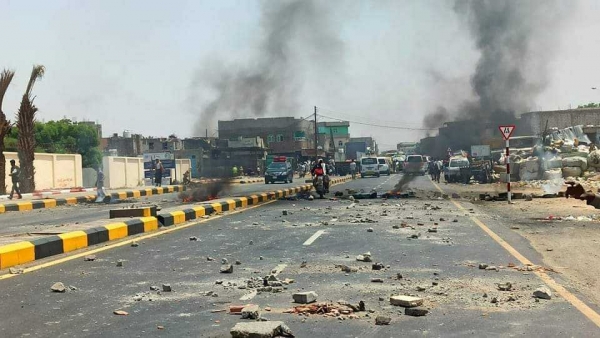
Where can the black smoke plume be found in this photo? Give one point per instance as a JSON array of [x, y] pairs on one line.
[[297, 34], [514, 39]]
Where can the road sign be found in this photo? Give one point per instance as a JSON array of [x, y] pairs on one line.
[[480, 151], [506, 131]]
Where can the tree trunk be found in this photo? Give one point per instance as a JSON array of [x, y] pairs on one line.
[[26, 144]]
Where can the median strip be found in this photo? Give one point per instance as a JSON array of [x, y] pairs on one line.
[[28, 251], [55, 202]]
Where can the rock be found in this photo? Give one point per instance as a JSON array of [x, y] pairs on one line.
[[226, 268], [494, 300], [416, 311], [303, 264], [120, 263], [395, 226], [305, 297], [166, 287], [377, 266], [376, 280], [15, 271], [284, 212], [366, 257], [370, 230], [406, 301], [432, 230], [89, 258], [421, 288], [224, 261], [311, 197], [483, 266], [455, 220], [153, 288], [399, 275], [251, 243], [261, 330], [120, 313], [58, 287], [194, 238], [505, 286], [261, 258], [134, 244], [210, 259], [251, 312], [543, 292], [528, 197], [382, 320], [238, 263]]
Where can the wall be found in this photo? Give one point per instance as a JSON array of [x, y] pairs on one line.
[[51, 170], [181, 166], [534, 123], [123, 172]]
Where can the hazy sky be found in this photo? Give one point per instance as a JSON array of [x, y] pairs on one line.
[[130, 65]]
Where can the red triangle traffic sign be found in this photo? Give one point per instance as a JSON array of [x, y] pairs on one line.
[[506, 131]]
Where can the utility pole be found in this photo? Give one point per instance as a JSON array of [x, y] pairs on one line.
[[316, 138]]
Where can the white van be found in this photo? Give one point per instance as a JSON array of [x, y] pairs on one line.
[[369, 166], [385, 166]]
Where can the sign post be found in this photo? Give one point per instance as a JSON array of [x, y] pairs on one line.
[[506, 133]]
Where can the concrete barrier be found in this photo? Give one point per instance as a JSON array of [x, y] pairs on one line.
[[52, 171]]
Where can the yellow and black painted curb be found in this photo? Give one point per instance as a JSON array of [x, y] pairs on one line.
[[55, 202], [28, 251]]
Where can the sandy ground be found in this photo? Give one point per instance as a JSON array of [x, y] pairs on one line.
[[569, 246]]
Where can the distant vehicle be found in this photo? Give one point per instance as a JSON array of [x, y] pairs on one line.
[[385, 165], [369, 166], [280, 170], [415, 164], [457, 168]]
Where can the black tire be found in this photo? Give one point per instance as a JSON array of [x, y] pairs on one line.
[[291, 180]]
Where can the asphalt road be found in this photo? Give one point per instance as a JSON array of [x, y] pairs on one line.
[[324, 233]]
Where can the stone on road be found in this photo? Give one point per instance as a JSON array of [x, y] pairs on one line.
[[542, 292], [305, 297], [261, 330], [58, 287], [406, 301]]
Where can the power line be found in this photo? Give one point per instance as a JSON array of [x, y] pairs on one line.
[[362, 116], [377, 125]]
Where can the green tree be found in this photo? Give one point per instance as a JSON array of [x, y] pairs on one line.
[[589, 105]]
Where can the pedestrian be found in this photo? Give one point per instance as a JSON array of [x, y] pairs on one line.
[[15, 174], [353, 169], [241, 171], [234, 171], [158, 173], [100, 193]]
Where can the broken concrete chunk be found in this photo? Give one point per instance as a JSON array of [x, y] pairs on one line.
[[284, 212], [120, 263], [366, 257], [505, 286], [251, 312], [406, 301], [58, 287], [377, 266], [134, 244], [210, 259], [15, 271], [483, 266], [542, 292], [89, 258], [166, 287], [432, 230], [382, 320], [227, 268], [416, 312], [193, 238], [224, 261], [376, 280], [153, 288], [261, 330], [305, 297], [370, 230]]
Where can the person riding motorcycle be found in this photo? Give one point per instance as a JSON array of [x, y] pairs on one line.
[[320, 169]]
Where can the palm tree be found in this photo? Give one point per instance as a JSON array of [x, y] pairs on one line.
[[26, 134], [5, 79]]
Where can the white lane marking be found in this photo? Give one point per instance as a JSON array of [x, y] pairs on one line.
[[249, 296], [313, 237], [278, 269]]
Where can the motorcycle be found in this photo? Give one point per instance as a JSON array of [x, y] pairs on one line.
[[319, 185]]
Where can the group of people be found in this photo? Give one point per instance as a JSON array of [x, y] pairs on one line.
[[435, 169]]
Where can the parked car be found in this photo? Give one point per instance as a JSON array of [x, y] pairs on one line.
[[415, 165], [369, 166], [280, 170], [385, 165], [457, 170]]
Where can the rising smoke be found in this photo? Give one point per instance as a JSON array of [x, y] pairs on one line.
[[515, 42], [297, 34]]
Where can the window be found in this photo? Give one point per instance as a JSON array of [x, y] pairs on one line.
[[270, 138], [340, 144], [279, 137], [334, 130], [165, 146], [151, 145], [299, 135]]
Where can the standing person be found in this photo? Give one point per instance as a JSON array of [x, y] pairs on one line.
[[15, 174], [241, 171], [353, 169], [100, 194], [158, 173], [234, 171]]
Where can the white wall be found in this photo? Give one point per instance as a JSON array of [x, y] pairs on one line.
[[123, 172], [52, 171]]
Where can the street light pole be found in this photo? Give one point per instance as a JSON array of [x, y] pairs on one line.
[[316, 138]]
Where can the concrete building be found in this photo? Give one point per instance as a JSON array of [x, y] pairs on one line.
[[333, 137], [287, 136], [534, 123], [129, 145]]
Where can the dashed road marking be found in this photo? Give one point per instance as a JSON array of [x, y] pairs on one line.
[[314, 237], [559, 289]]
